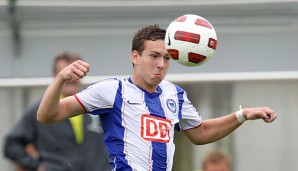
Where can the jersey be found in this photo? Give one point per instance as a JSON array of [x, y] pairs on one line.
[[139, 125]]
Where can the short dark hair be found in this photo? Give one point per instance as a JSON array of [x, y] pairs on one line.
[[67, 56], [150, 32]]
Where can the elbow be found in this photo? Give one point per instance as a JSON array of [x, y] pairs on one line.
[[202, 140], [40, 118], [198, 135], [198, 142]]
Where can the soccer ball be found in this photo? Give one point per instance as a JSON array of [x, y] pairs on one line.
[[190, 40]]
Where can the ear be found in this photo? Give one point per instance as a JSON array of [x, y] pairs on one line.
[[134, 57]]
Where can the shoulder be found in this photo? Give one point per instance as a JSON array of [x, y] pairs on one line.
[[31, 109], [108, 83], [27, 119]]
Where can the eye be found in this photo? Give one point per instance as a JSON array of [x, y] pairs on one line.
[[167, 58], [154, 55]]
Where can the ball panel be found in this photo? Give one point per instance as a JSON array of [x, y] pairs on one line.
[[203, 23], [181, 18], [212, 43], [174, 53], [196, 58], [187, 37], [191, 40]]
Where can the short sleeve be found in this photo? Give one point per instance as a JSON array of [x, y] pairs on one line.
[[99, 95], [190, 117]]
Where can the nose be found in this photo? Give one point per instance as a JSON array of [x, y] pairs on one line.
[[161, 62]]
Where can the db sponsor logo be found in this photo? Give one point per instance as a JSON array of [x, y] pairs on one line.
[[155, 128]]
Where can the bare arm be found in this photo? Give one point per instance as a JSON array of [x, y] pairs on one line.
[[215, 129], [51, 108]]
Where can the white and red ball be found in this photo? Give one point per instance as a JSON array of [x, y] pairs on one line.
[[191, 40]]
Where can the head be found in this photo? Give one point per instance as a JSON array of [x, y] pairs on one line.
[[216, 160], [60, 62], [149, 57]]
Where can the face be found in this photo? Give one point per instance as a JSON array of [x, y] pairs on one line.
[[71, 87], [221, 166], [151, 65]]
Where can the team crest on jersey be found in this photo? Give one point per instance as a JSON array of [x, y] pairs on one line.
[[171, 104]]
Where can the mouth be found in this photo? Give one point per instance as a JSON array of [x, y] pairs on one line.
[[158, 75]]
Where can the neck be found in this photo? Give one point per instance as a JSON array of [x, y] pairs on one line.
[[148, 87]]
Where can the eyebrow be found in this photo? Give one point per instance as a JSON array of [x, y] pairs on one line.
[[158, 53], [154, 52]]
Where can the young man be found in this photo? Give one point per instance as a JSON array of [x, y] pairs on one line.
[[71, 145], [139, 113]]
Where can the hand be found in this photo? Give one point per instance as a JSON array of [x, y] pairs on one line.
[[75, 71], [265, 113]]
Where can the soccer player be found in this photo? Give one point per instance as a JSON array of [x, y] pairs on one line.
[[139, 113]]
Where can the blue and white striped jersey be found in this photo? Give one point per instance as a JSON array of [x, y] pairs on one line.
[[138, 125]]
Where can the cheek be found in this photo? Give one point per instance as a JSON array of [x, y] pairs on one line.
[[148, 65], [167, 64], [147, 69]]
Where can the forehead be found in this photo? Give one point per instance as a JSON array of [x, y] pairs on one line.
[[156, 46]]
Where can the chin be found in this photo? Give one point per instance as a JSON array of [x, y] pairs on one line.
[[156, 82]]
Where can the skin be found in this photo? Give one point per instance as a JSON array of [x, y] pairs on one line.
[[150, 68], [72, 86]]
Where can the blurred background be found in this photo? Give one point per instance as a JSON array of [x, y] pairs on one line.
[[255, 64]]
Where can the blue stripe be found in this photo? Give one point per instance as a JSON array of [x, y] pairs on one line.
[[117, 144], [114, 132], [159, 150], [180, 93]]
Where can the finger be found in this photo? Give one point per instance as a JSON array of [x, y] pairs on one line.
[[83, 66], [78, 69], [66, 74], [79, 74], [76, 75], [270, 117]]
